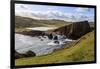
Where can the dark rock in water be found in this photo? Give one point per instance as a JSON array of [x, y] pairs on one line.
[[50, 36], [55, 38], [27, 54], [18, 55], [75, 30]]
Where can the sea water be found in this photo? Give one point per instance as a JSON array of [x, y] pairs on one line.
[[40, 46]]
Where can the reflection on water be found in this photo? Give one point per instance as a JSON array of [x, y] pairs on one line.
[[25, 43]]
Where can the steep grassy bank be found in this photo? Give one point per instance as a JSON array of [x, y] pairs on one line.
[[83, 50]]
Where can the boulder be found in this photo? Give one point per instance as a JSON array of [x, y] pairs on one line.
[[27, 54], [18, 55]]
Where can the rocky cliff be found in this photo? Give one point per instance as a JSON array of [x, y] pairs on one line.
[[75, 30]]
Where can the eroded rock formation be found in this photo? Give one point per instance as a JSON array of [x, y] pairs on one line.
[[75, 30]]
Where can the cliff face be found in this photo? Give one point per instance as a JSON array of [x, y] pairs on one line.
[[75, 30]]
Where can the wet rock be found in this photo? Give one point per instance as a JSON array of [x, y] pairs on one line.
[[27, 54], [18, 55]]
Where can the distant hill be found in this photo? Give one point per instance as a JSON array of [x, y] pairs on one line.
[[23, 22], [80, 51]]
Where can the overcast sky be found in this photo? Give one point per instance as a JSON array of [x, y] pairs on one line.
[[55, 12]]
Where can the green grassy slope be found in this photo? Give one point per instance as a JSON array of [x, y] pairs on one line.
[[83, 50]]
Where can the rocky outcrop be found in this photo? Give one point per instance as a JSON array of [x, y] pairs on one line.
[[27, 54], [18, 55], [31, 33], [75, 30]]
